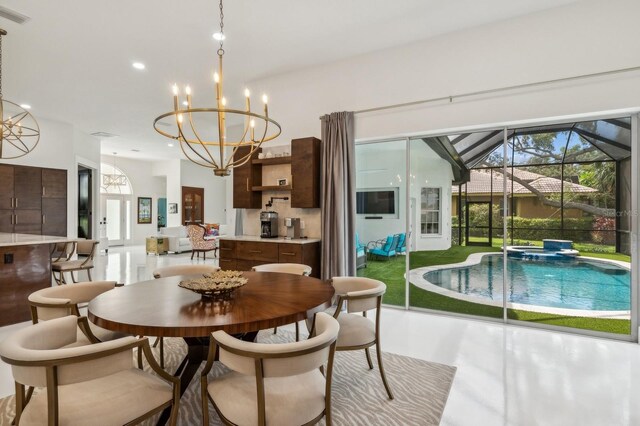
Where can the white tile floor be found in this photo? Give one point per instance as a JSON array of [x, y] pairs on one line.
[[507, 375]]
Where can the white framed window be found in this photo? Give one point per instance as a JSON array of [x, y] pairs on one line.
[[430, 211]]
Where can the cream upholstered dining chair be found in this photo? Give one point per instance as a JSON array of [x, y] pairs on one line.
[[198, 243], [286, 268], [60, 301], [90, 384], [282, 381], [172, 271], [358, 294], [82, 246]]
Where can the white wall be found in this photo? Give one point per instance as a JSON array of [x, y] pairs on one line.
[[383, 165], [59, 146], [431, 171], [585, 37], [143, 184]]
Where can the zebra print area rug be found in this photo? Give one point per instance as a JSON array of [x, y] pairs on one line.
[[420, 388]]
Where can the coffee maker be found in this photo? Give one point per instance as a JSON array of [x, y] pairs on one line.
[[268, 224]]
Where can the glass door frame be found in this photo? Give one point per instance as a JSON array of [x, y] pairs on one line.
[[635, 222], [125, 217]]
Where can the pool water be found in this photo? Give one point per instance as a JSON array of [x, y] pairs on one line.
[[569, 284]]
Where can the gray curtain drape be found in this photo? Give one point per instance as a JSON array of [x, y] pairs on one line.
[[239, 223], [337, 195]]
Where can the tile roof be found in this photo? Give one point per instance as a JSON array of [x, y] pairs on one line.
[[482, 182]]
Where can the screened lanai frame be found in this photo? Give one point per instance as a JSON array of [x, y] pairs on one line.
[[504, 132], [605, 140]]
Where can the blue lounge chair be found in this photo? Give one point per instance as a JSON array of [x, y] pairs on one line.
[[384, 248], [402, 244]]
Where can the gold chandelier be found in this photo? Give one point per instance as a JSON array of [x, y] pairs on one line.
[[20, 131], [115, 179], [209, 147]]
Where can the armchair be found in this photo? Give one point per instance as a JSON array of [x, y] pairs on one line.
[[198, 243], [87, 384], [357, 331], [60, 301], [361, 254], [287, 268], [272, 384]]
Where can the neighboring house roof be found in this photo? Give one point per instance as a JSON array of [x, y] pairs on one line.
[[482, 182]]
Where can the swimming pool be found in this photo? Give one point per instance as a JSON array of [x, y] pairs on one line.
[[570, 284]]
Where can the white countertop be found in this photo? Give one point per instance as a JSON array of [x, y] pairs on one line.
[[8, 240], [270, 240]]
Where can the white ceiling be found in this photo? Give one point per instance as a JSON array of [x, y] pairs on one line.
[[72, 60]]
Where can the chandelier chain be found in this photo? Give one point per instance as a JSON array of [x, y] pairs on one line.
[[221, 50]]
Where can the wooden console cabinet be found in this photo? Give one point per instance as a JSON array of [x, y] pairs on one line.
[[305, 176], [242, 255], [33, 200]]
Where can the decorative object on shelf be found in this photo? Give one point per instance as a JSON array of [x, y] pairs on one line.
[[202, 147], [115, 179], [173, 208], [144, 210], [20, 131], [215, 285], [283, 182]]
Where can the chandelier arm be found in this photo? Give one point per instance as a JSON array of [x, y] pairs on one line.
[[195, 161], [182, 139], [23, 114], [25, 150], [30, 128], [193, 129], [235, 149]]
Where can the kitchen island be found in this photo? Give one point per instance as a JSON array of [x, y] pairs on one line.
[[246, 251], [25, 267]]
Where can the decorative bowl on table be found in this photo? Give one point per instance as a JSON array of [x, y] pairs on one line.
[[217, 284]]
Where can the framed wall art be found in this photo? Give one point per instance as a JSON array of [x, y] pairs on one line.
[[144, 210]]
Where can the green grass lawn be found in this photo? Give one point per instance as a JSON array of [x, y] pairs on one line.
[[392, 272]]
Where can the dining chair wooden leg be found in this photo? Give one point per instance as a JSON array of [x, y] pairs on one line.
[[161, 353], [275, 330], [19, 402], [89, 274], [205, 402], [204, 255], [62, 278], [73, 277], [384, 377], [192, 253], [156, 342], [297, 332], [366, 351]]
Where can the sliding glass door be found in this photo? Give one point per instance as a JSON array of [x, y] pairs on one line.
[[560, 200], [381, 206]]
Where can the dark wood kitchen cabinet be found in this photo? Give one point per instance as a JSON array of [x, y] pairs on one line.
[[305, 176], [33, 200]]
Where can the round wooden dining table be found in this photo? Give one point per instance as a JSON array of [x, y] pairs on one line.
[[161, 308]]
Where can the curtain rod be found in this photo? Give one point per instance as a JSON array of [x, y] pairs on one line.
[[450, 98]]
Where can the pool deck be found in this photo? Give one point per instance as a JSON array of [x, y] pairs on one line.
[[416, 277]]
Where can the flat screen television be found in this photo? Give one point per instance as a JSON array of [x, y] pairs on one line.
[[383, 201]]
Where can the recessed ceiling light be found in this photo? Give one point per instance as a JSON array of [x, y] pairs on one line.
[[170, 145], [219, 36], [25, 106], [138, 65], [135, 150]]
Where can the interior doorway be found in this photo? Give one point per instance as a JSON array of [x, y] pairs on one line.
[[85, 202]]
